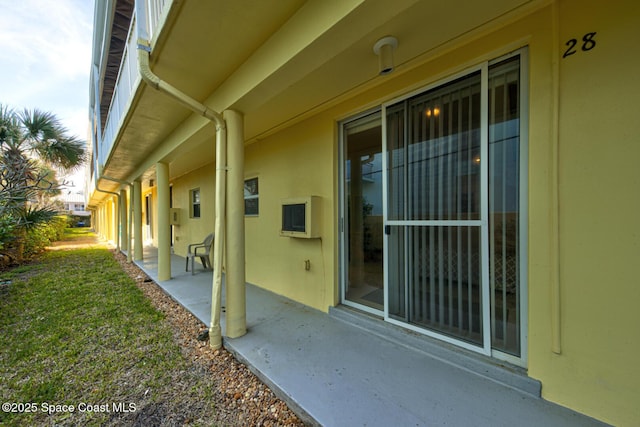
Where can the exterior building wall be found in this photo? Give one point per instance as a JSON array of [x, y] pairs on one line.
[[297, 162], [193, 230], [584, 240], [596, 179], [598, 231]]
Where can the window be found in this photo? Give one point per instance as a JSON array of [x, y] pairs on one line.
[[251, 197], [195, 203]]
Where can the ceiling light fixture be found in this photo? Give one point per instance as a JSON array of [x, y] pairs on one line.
[[384, 49]]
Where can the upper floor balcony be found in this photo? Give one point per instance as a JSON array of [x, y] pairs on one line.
[[115, 77]]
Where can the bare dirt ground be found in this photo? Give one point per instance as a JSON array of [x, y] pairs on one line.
[[240, 398]]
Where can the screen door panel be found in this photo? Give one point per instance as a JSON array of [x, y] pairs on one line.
[[434, 206]]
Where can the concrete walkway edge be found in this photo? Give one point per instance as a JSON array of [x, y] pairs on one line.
[[346, 368]]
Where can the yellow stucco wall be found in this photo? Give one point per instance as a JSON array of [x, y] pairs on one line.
[[595, 372], [193, 230], [599, 236], [297, 162]]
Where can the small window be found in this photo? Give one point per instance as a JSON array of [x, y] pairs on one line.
[[251, 197], [195, 203]]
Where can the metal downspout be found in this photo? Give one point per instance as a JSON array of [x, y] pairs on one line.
[[215, 331]]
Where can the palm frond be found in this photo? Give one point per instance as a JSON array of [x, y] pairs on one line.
[[10, 129], [65, 153], [40, 126], [42, 133], [33, 217]]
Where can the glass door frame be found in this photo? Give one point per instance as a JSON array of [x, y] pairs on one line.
[[483, 222], [343, 240]]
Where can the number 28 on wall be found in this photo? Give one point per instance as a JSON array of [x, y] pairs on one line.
[[588, 43]]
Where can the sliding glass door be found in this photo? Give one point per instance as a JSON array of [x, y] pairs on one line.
[[434, 203], [362, 213], [434, 217], [507, 206]]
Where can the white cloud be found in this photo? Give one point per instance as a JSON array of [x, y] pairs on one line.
[[45, 60], [45, 57]]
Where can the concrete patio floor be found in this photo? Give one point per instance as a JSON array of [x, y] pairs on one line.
[[348, 369]]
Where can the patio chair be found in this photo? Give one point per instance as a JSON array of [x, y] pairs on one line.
[[200, 250]]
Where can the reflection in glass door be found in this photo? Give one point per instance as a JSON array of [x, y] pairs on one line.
[[434, 145], [433, 210], [362, 213], [454, 199]]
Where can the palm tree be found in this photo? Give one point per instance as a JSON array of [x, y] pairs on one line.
[[32, 144]]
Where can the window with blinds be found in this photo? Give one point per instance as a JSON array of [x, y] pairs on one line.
[[453, 208]]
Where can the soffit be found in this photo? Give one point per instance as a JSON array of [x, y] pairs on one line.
[[206, 45], [201, 44], [289, 94]]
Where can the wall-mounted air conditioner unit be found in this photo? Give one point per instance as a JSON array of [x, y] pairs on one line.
[[301, 217]]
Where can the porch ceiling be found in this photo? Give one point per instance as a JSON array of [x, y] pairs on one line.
[[215, 51]]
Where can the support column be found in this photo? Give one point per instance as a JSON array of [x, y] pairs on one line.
[[106, 220], [236, 319], [103, 207], [115, 221], [164, 238], [98, 225], [104, 223], [137, 220], [124, 224]]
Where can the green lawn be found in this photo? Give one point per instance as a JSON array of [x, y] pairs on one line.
[[75, 330]]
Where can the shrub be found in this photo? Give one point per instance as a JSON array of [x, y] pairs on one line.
[[7, 227], [43, 235]]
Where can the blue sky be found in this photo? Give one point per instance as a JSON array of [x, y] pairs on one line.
[[45, 58]]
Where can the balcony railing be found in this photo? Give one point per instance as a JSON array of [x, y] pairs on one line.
[[128, 77]]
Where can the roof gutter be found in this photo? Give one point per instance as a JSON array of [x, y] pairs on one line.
[[144, 51]]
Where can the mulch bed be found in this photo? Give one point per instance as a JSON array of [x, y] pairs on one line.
[[241, 399]]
